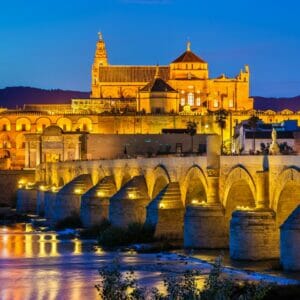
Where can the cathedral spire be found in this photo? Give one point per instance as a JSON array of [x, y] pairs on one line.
[[100, 36], [188, 45], [100, 58], [156, 72]]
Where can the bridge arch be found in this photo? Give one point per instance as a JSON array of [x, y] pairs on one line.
[[160, 180], [194, 187], [286, 194], [240, 190]]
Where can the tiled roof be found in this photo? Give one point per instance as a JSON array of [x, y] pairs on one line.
[[157, 85], [188, 56], [131, 73]]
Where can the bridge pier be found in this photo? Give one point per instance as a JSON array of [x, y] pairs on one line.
[[204, 224], [40, 205], [95, 202], [49, 204], [26, 200], [253, 235], [290, 242], [166, 212], [68, 199], [129, 204]]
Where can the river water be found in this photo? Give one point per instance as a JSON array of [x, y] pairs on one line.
[[41, 266]]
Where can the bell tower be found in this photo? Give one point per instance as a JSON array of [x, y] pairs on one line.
[[100, 60]]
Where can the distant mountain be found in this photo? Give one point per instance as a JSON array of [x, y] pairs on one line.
[[277, 104], [18, 96]]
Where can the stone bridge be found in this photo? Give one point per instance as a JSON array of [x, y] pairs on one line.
[[195, 197]]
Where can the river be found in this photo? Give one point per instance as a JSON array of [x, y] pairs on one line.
[[41, 266]]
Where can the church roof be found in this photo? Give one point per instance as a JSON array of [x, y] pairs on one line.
[[131, 73], [157, 85], [188, 56]]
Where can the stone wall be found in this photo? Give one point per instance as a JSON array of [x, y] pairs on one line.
[[9, 184]]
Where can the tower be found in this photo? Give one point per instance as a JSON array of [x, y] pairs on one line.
[[100, 60]]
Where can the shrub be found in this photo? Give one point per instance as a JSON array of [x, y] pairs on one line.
[[72, 221], [114, 236], [95, 230], [113, 285]]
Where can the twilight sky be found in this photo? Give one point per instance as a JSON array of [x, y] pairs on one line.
[[51, 43]]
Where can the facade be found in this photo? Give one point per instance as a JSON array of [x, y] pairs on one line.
[[187, 76], [137, 100]]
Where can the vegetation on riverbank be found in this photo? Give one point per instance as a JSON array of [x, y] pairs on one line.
[[115, 285]]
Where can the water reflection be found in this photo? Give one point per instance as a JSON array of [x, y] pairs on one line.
[[15, 243]]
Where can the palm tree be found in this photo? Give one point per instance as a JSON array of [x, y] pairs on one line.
[[191, 129], [221, 116], [252, 123]]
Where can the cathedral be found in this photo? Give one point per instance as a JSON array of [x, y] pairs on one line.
[[130, 100], [183, 85]]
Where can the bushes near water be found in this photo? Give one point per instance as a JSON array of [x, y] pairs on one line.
[[134, 233], [72, 221], [114, 285]]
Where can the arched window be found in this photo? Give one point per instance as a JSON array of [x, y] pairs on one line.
[[216, 103], [198, 99], [230, 104], [191, 101], [182, 101]]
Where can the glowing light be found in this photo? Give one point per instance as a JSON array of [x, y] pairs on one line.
[[78, 191], [21, 183], [100, 194], [42, 188], [161, 206], [53, 189], [242, 207], [195, 201], [206, 125], [131, 195]]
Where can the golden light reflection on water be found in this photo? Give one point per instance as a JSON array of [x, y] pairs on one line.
[[15, 243]]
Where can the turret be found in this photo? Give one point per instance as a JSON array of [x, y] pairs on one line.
[[100, 60]]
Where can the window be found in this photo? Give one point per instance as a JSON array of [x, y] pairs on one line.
[[23, 127], [216, 103], [198, 101], [182, 101], [84, 127], [4, 127], [191, 99], [230, 104], [178, 147]]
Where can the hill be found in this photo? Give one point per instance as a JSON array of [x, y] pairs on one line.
[[18, 96], [277, 104]]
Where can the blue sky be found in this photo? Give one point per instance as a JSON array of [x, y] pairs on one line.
[[51, 43]]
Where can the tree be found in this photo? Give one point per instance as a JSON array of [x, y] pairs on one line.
[[252, 123], [221, 116], [191, 128]]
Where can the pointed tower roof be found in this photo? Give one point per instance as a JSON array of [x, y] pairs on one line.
[[157, 84], [100, 54], [188, 56]]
